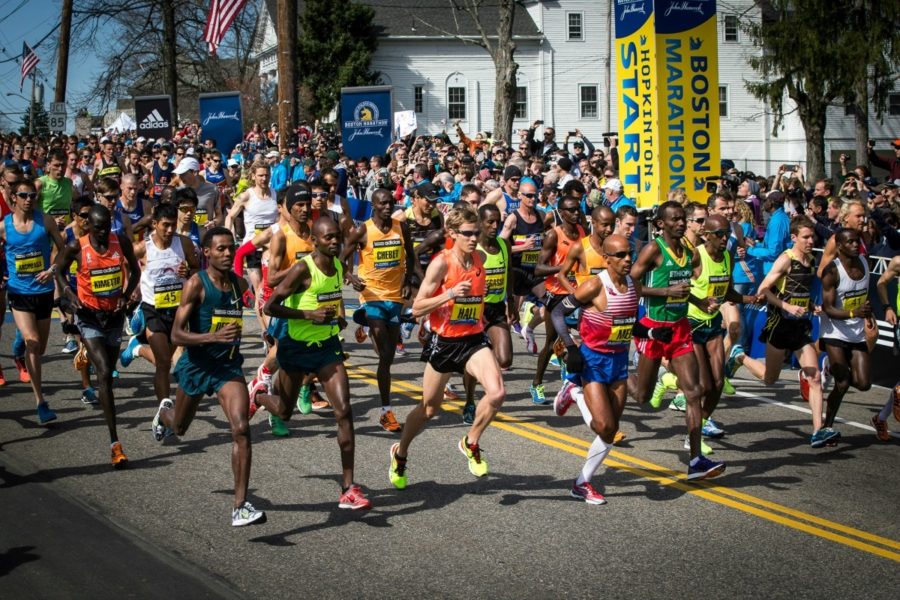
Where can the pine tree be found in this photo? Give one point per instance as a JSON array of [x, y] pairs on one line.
[[41, 120]]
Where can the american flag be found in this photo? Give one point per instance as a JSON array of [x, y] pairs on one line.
[[221, 15], [29, 63]]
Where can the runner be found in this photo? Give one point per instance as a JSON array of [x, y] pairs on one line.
[[452, 294], [788, 328], [498, 302], [891, 310], [426, 228], [507, 197], [162, 172], [138, 210], [29, 236], [845, 310], [208, 323], [107, 164], [100, 302], [309, 302], [666, 262], [386, 266]]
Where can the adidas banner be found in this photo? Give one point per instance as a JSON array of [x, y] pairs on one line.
[[154, 116], [221, 119], [366, 120]]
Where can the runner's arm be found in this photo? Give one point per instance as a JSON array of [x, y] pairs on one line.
[[543, 269], [584, 295], [779, 270], [508, 226], [277, 248], [63, 261], [412, 263], [236, 209], [828, 254], [574, 257], [425, 301], [53, 230], [297, 280], [829, 294], [891, 272], [191, 297]]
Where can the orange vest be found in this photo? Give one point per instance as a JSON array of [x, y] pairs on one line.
[[101, 277], [563, 243], [592, 263], [462, 315], [382, 264]]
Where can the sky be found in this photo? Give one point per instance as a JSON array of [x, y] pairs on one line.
[[29, 24]]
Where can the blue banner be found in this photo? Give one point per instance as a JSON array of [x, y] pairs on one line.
[[366, 120], [221, 120]]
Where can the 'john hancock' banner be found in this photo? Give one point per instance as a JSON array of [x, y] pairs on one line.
[[221, 119], [668, 103], [366, 120]]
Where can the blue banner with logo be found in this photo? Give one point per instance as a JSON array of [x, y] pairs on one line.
[[221, 119], [366, 120]]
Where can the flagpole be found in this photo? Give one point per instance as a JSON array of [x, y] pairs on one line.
[[31, 105]]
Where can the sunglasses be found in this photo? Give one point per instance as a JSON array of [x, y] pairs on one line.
[[179, 154], [217, 160], [699, 220], [110, 197], [29, 195], [569, 209], [29, 147], [621, 254], [718, 232], [319, 194], [467, 233], [531, 195], [83, 215], [187, 209]]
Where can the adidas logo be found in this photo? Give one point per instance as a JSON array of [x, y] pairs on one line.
[[153, 121]]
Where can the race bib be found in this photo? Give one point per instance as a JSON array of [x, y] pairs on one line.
[[854, 300], [386, 253], [529, 257], [466, 310], [73, 268], [107, 281], [718, 287], [673, 280], [167, 295], [332, 299], [261, 227], [29, 263], [201, 217], [61, 212], [223, 317], [494, 280], [799, 300], [621, 330]]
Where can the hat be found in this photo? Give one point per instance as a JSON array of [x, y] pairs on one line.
[[466, 159], [189, 152], [613, 184], [332, 155], [187, 164], [298, 192], [564, 163], [141, 139], [426, 190], [309, 163], [273, 154], [512, 171], [233, 163], [104, 139], [578, 144]]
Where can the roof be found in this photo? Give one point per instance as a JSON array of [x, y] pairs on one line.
[[410, 18]]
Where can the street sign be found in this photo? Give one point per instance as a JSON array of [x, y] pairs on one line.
[[57, 116]]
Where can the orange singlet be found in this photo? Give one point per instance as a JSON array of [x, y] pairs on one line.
[[563, 243], [462, 315], [382, 264], [101, 277], [592, 263]]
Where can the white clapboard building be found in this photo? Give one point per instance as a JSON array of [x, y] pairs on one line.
[[566, 76]]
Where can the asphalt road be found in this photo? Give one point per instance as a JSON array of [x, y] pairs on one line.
[[784, 521]]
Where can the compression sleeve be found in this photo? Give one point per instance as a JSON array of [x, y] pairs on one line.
[[239, 256], [558, 317]]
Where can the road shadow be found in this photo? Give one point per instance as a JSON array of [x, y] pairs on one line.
[[15, 557]]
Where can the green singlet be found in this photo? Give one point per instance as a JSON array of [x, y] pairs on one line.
[[495, 267], [323, 291], [712, 283], [671, 272]]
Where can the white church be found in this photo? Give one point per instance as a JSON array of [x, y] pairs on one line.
[[566, 76]]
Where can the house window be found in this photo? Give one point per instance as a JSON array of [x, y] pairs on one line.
[[575, 22], [418, 97], [723, 101], [456, 102], [849, 110], [894, 105], [589, 104], [730, 27], [521, 102]]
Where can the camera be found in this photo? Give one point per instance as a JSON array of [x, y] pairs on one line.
[[711, 187]]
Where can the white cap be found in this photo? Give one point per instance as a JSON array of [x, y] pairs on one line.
[[189, 151], [613, 184], [141, 139], [187, 164], [104, 139], [273, 154], [231, 162]]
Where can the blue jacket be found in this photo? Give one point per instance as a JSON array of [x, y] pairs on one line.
[[279, 177], [776, 241]]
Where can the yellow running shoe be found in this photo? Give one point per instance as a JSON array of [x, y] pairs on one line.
[[397, 470], [477, 465], [620, 435], [727, 388]]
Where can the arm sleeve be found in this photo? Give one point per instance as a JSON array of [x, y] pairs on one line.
[[588, 146], [239, 256], [558, 318]]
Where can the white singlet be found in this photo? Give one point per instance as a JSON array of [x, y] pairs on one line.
[[259, 214], [160, 285]]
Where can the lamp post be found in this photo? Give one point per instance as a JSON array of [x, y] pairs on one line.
[[30, 106]]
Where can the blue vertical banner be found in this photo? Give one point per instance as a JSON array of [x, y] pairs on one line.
[[366, 120], [221, 119]]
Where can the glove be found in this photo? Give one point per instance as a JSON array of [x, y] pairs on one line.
[[574, 359], [661, 334]]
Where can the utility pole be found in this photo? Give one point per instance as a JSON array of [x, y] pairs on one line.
[[62, 64], [286, 23], [31, 104], [170, 79]]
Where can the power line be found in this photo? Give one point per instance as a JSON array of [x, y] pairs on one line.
[[34, 47]]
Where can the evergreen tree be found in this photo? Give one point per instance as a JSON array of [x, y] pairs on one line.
[[41, 120]]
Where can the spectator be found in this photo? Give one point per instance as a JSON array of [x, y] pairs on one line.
[[892, 165], [777, 233]]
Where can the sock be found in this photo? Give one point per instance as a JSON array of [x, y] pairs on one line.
[[669, 381], [384, 409], [596, 455], [113, 443], [694, 461], [888, 408], [582, 406]]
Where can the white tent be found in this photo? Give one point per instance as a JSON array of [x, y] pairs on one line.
[[123, 123]]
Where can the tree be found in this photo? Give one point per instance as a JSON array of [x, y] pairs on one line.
[[499, 45], [335, 49], [41, 120], [806, 54]]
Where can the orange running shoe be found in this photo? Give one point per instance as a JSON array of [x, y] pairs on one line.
[[24, 377], [897, 402], [620, 435], [2, 378], [318, 402], [361, 334], [389, 421], [881, 430], [119, 460]]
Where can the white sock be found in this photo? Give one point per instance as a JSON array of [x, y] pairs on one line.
[[384, 409], [596, 455], [888, 408], [582, 406]]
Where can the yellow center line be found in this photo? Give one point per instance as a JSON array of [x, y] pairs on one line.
[[713, 492]]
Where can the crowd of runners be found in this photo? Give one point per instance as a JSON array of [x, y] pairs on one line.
[[169, 245]]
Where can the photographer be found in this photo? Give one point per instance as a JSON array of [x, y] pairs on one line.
[[777, 232]]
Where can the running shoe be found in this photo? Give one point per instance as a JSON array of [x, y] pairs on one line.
[[254, 388], [2, 377], [119, 460], [389, 422], [563, 371], [477, 465], [711, 429], [128, 354], [265, 377], [679, 402], [136, 322], [824, 371], [115, 374], [731, 365], [564, 399], [406, 330], [245, 514], [585, 491], [659, 392], [397, 469], [517, 329], [881, 429], [468, 413], [24, 377], [705, 469], [728, 388], [896, 408], [361, 334], [304, 404], [89, 396], [318, 402], [159, 430], [525, 314], [530, 343], [354, 499], [450, 392], [71, 346], [537, 394], [824, 436], [401, 350], [619, 437], [279, 429], [804, 386], [45, 415], [705, 449], [554, 360]]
